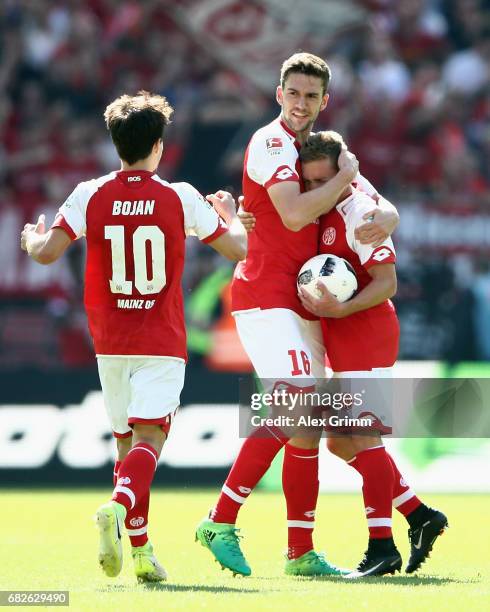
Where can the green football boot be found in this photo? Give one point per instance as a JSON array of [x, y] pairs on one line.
[[222, 540], [110, 522], [146, 566], [313, 564]]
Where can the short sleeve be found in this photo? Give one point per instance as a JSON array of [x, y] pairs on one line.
[[271, 159], [71, 215], [200, 218], [365, 186], [368, 256]]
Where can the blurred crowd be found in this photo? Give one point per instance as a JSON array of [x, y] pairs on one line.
[[410, 93]]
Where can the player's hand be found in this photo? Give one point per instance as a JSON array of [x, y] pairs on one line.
[[325, 306], [38, 228], [224, 204], [247, 219], [348, 165], [380, 225]]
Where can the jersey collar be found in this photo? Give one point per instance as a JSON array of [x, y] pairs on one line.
[[135, 172], [289, 131], [134, 178]]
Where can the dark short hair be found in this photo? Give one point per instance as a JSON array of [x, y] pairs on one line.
[[309, 64], [322, 145], [136, 123]]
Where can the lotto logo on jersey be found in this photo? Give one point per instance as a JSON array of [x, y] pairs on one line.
[[284, 173], [329, 236], [273, 143], [383, 254]]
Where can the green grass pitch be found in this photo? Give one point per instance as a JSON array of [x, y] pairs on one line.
[[50, 542]]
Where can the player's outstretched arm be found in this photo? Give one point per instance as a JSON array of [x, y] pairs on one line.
[[44, 247], [232, 244], [382, 287], [299, 209]]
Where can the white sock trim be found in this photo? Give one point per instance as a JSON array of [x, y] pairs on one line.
[[379, 522], [401, 499], [234, 496], [148, 451], [136, 532], [128, 492], [303, 457], [302, 524]]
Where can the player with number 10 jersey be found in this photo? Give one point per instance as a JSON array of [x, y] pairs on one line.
[[136, 224]]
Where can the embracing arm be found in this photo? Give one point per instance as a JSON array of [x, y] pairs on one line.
[[299, 209], [381, 288]]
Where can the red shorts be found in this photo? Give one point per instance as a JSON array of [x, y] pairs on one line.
[[363, 341]]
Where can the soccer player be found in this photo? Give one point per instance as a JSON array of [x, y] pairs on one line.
[[135, 224], [361, 340], [282, 339]]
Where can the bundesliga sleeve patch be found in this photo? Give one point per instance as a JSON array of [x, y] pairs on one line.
[[274, 143]]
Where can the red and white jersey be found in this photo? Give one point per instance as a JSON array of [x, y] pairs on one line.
[[135, 224], [367, 339], [267, 278], [337, 236]]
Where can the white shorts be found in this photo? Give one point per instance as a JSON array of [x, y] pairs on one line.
[[376, 391], [140, 390], [282, 345]]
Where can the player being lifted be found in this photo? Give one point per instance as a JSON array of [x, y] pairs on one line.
[[361, 340], [135, 224], [282, 339]]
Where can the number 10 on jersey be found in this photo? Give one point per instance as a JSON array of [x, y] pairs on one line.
[[143, 234]]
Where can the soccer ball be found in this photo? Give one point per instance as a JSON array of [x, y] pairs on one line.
[[335, 273]]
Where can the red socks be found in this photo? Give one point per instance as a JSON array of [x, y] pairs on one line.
[[253, 461], [404, 499], [135, 476], [136, 519], [136, 522], [300, 485], [117, 465], [378, 478]]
